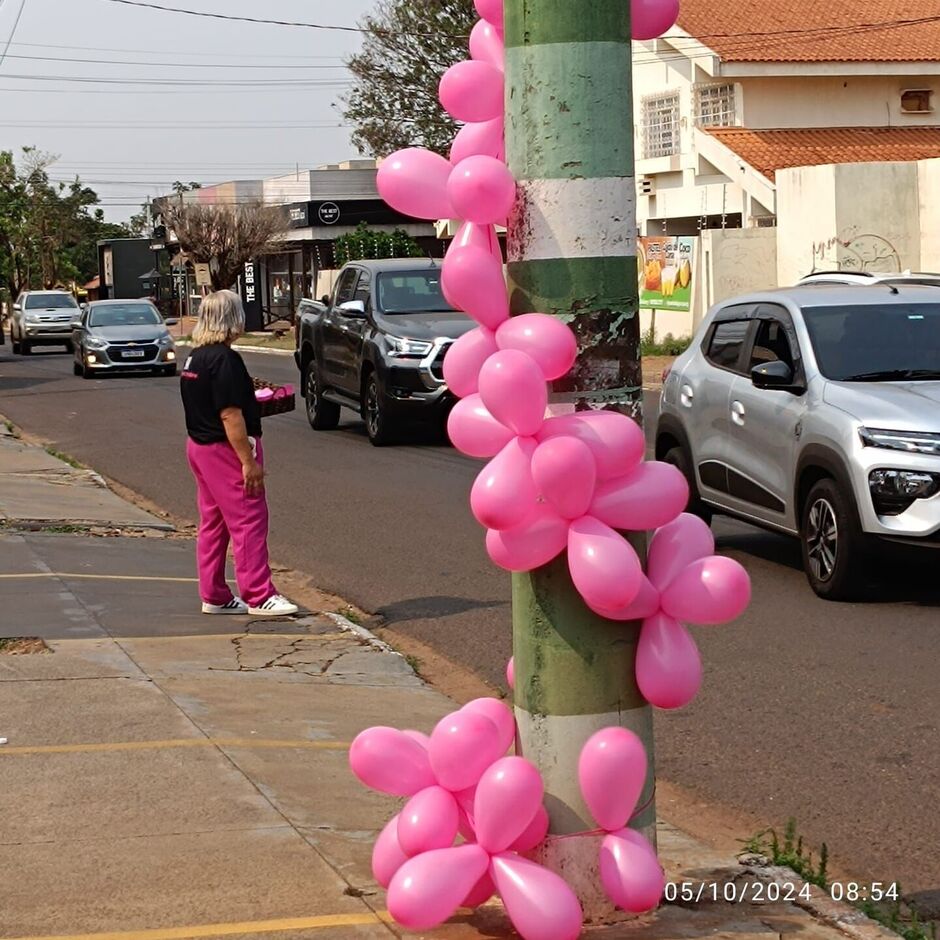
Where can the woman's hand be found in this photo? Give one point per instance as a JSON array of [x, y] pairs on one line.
[[253, 475]]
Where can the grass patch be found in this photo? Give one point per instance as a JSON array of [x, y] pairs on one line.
[[667, 346], [414, 663], [790, 852], [65, 458], [22, 646], [267, 341], [351, 615]]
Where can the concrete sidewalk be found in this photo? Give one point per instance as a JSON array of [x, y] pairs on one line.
[[169, 775]]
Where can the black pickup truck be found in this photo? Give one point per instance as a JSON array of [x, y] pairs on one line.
[[378, 348]]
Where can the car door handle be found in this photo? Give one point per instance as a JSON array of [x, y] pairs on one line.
[[738, 413]]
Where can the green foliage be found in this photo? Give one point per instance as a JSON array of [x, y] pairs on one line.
[[366, 244], [668, 346], [894, 914], [48, 231], [407, 48]]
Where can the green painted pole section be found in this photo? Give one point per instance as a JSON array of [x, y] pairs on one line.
[[572, 253]]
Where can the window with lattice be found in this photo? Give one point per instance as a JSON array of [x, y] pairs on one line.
[[661, 125], [714, 105]]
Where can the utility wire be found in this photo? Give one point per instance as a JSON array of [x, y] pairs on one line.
[[16, 24], [174, 65]]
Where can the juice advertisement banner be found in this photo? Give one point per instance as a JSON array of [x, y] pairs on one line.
[[665, 265]]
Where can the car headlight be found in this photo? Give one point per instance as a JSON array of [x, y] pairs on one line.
[[911, 442], [95, 342], [894, 491], [408, 348], [32, 318]]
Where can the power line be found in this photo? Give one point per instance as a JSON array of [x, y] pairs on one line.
[[16, 24], [186, 82], [178, 65], [200, 53]]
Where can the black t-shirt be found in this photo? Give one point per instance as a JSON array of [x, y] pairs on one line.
[[214, 378]]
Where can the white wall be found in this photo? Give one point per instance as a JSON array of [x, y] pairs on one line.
[[736, 261], [806, 221], [928, 188]]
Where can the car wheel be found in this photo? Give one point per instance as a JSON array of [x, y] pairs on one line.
[[25, 347], [17, 346], [323, 415], [378, 426], [87, 372], [679, 458], [834, 549], [76, 368], [169, 371]]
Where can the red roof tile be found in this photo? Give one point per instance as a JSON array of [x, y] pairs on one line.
[[772, 150], [815, 31]]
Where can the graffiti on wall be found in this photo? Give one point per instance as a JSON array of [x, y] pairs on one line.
[[856, 252]]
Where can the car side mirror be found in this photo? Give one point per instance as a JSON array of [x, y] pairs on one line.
[[773, 375], [353, 308], [173, 321], [17, 307]]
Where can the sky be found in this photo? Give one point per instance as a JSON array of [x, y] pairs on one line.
[[177, 97]]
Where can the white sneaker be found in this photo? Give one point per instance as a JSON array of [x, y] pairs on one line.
[[235, 606], [275, 606]]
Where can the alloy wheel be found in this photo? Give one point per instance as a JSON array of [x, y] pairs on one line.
[[822, 540], [312, 392], [372, 408]]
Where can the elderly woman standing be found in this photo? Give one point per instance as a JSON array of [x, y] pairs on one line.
[[225, 454]]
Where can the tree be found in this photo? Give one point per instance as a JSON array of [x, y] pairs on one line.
[[407, 48], [224, 237], [366, 242]]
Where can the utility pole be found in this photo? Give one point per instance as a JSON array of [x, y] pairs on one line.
[[572, 253]]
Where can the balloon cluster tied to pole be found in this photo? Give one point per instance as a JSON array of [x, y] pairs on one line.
[[571, 483]]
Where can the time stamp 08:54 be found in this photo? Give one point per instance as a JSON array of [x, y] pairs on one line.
[[759, 892]]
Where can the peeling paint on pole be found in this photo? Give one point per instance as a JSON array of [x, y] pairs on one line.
[[572, 254]]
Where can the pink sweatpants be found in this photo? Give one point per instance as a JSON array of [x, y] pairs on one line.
[[227, 512]]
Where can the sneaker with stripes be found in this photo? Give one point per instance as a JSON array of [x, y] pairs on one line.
[[235, 606], [275, 606]]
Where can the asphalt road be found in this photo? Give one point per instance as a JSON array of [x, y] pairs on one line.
[[828, 713]]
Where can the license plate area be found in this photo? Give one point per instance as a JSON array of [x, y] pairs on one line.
[[132, 354]]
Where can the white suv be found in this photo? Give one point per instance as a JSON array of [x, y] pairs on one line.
[[815, 411], [43, 318]]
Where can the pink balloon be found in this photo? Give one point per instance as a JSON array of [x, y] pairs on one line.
[[465, 826], [511, 673], [630, 872], [465, 358], [481, 892], [482, 190], [612, 774], [428, 821], [650, 19], [387, 854], [508, 797], [474, 431], [675, 546], [513, 389], [551, 343], [472, 91], [565, 473], [501, 716], [540, 904], [650, 496], [418, 736], [604, 567], [390, 762], [616, 441], [465, 800], [428, 889], [484, 137], [644, 605], [463, 745], [486, 45], [414, 182], [503, 494], [668, 665], [535, 832], [536, 541], [479, 236], [491, 11], [472, 280], [709, 591]]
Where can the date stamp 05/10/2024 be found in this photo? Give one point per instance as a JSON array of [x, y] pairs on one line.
[[759, 892]]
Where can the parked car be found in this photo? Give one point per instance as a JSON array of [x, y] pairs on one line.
[[870, 278], [42, 318], [815, 411], [379, 348], [121, 335]]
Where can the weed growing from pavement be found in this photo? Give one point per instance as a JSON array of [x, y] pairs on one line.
[[667, 346], [790, 853], [71, 461], [350, 615], [414, 663]]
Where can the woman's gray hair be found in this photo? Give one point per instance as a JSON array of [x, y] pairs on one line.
[[221, 319]]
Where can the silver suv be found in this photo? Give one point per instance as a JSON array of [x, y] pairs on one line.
[[43, 318], [815, 411]]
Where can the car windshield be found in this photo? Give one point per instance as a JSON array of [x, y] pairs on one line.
[[411, 292], [876, 342], [51, 302], [125, 315]]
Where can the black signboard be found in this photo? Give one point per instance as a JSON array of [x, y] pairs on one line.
[[341, 212], [251, 296]]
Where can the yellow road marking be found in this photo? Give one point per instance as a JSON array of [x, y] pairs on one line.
[[228, 930], [96, 577], [168, 745]]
